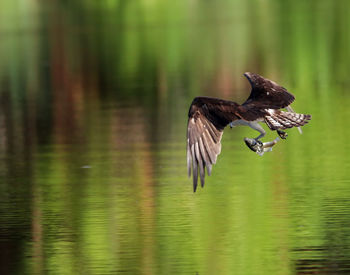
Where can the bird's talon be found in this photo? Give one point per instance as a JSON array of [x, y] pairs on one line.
[[259, 147], [259, 142], [282, 134]]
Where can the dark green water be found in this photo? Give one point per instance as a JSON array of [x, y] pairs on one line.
[[93, 111]]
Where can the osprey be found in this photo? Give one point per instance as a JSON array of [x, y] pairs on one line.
[[208, 117]]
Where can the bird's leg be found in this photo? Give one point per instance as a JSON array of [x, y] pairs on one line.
[[257, 139], [260, 129], [236, 123]]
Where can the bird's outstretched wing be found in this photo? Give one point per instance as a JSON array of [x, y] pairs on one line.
[[207, 119], [265, 94]]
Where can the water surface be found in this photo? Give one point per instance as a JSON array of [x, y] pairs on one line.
[[93, 112]]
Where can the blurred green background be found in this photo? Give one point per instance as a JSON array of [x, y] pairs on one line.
[[94, 98]]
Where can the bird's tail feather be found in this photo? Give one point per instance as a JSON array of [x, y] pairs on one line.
[[283, 120], [290, 109]]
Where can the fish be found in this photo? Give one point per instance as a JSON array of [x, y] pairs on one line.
[[259, 147]]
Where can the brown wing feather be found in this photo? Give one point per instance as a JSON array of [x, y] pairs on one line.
[[207, 119], [265, 94]]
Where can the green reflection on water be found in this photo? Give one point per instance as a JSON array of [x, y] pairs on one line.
[[94, 98]]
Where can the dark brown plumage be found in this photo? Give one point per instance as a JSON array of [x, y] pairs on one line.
[[208, 117]]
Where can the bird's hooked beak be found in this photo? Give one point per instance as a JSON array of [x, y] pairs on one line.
[[249, 76]]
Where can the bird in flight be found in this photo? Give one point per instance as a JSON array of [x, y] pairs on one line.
[[208, 117]]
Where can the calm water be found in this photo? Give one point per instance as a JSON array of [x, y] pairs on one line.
[[93, 112]]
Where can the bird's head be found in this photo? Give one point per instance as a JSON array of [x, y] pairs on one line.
[[254, 79], [259, 82]]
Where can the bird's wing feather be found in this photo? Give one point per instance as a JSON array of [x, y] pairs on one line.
[[265, 94], [207, 119]]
